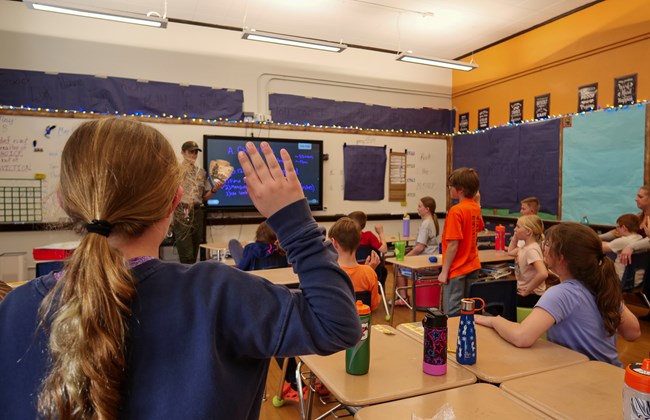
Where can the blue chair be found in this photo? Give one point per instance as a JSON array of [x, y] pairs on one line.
[[500, 297], [362, 253], [640, 261]]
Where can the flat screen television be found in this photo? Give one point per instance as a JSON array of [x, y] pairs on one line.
[[307, 156]]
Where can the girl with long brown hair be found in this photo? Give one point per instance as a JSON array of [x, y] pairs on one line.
[[586, 310], [120, 334]]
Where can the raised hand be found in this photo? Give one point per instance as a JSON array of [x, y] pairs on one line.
[[373, 260], [268, 187]]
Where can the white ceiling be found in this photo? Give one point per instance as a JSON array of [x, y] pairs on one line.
[[433, 28]]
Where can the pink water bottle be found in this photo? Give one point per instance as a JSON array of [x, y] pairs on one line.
[[500, 239], [435, 342]]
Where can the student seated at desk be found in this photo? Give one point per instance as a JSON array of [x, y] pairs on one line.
[[585, 311], [344, 235], [425, 243], [627, 226], [367, 237], [121, 334], [530, 270], [265, 252], [529, 206]]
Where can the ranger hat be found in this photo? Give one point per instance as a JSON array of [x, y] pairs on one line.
[[190, 146]]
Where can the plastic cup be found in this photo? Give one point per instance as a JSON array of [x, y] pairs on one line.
[[400, 250]]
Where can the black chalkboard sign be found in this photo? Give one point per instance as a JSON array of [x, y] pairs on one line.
[[463, 122], [517, 111], [587, 97], [483, 118], [542, 106], [625, 90]]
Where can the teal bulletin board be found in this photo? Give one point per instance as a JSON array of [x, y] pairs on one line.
[[603, 164]]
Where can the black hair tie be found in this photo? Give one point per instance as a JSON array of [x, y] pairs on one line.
[[101, 227]]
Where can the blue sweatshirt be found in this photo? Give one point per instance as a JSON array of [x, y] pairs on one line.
[[200, 335]]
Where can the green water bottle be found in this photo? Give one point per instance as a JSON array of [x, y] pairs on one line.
[[357, 357]]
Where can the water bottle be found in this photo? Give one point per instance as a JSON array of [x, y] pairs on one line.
[[357, 357], [406, 226], [466, 343], [500, 238], [636, 391], [584, 221], [435, 342]]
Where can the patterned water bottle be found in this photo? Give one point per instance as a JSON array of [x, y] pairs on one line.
[[435, 342], [466, 343]]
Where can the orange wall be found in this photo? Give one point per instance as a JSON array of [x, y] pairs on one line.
[[598, 44]]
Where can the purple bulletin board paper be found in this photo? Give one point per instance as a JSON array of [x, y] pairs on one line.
[[364, 172]]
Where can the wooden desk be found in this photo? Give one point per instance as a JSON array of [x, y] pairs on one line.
[[284, 275], [395, 372], [591, 390], [391, 239], [497, 360], [476, 401], [419, 262]]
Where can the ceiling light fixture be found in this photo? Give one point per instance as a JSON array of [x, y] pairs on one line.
[[294, 41], [439, 62], [97, 13]]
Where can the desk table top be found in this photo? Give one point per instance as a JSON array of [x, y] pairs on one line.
[[497, 360], [395, 371], [284, 275], [422, 261], [590, 390], [476, 401]]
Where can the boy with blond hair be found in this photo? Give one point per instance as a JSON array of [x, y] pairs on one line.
[[460, 265], [529, 205]]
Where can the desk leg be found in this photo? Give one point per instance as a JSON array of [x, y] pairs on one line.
[[392, 305], [305, 407], [413, 302]]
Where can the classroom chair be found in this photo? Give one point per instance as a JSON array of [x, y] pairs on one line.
[[522, 313], [500, 297], [362, 253], [640, 261]]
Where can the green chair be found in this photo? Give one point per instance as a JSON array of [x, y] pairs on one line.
[[522, 313]]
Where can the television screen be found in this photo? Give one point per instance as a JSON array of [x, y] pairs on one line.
[[219, 152]]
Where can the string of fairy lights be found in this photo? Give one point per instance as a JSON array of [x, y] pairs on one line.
[[191, 119]]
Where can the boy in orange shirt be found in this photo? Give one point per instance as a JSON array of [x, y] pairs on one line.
[[460, 253], [345, 236]]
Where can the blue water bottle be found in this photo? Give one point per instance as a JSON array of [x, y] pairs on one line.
[[466, 343]]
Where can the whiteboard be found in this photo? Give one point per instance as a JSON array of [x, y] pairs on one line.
[[33, 144]]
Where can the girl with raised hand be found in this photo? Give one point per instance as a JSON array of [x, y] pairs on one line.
[[121, 334]]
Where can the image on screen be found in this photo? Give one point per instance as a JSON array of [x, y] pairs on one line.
[[219, 152]]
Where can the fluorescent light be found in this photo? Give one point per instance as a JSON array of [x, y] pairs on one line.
[[293, 41], [438, 62], [97, 13]]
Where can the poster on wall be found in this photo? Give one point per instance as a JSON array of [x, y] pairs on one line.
[[542, 106], [588, 97], [517, 111], [625, 90], [483, 118], [397, 176], [463, 122]]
